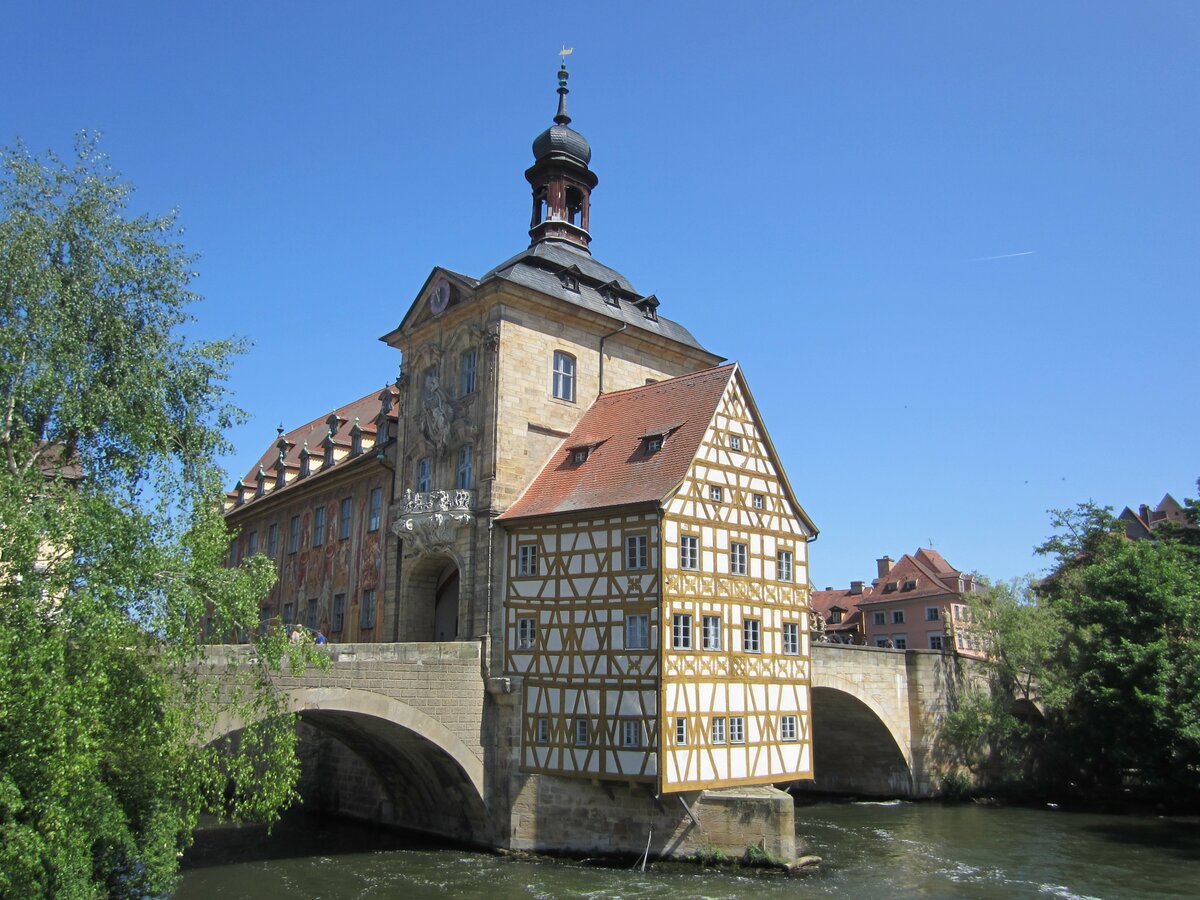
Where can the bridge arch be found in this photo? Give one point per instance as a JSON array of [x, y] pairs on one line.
[[375, 757], [859, 746]]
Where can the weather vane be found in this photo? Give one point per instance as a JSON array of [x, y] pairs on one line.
[[565, 52]]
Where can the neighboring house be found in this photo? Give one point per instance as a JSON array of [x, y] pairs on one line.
[[661, 554], [317, 504], [918, 603], [573, 474], [840, 614], [1141, 524]]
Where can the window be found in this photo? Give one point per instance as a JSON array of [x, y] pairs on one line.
[[681, 631], [712, 633], [737, 558], [784, 559], [716, 731], [878, 619], [289, 612], [900, 641], [791, 638], [381, 432], [252, 544], [751, 635], [564, 376], [689, 552], [466, 368], [376, 509], [631, 733], [294, 535], [735, 442], [881, 642], [466, 468], [273, 540], [543, 730], [654, 443], [581, 732], [932, 614], [835, 617], [339, 613], [233, 545], [680, 730], [715, 493], [527, 562], [310, 618], [526, 634], [347, 514], [318, 526], [424, 482], [897, 617], [935, 642], [637, 632], [579, 456], [737, 730], [635, 551], [787, 728], [367, 613], [758, 501]]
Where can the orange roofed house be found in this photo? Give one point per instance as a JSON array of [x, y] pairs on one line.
[[917, 603]]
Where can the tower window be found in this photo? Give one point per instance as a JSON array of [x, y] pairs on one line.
[[564, 376], [575, 206]]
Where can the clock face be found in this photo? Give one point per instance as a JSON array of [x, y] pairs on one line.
[[440, 298]]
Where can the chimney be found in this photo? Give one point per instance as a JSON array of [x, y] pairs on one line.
[[885, 565], [1144, 512], [856, 588]]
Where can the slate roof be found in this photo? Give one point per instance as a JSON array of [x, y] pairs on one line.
[[619, 471], [364, 410], [538, 267]]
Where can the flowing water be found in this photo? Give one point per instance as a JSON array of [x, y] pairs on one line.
[[870, 850]]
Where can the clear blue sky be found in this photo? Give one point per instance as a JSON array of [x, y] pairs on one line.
[[954, 245]]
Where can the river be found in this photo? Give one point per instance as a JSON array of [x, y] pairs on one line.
[[870, 850]]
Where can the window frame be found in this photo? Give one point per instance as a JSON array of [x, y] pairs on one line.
[[467, 372], [526, 633], [751, 635], [710, 632], [933, 614], [716, 730], [879, 618], [541, 727], [716, 493], [337, 621], [294, 536], [565, 371], [737, 729], [681, 735], [631, 631], [581, 732], [735, 442], [681, 631], [739, 557], [465, 473], [689, 552], [791, 638], [637, 552], [897, 617], [375, 514], [758, 501], [345, 518], [789, 728], [273, 540], [631, 734], [784, 565], [367, 609], [312, 614], [527, 559], [423, 475], [319, 527], [937, 642]]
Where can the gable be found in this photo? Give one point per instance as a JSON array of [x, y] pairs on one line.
[[430, 302]]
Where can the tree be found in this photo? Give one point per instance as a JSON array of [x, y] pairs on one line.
[[112, 548]]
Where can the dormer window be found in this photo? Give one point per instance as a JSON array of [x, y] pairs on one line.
[[569, 281], [654, 443], [305, 461], [381, 431], [579, 455], [890, 587], [835, 616], [910, 584], [356, 442], [611, 294], [327, 460]]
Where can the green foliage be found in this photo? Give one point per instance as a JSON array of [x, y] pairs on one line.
[[111, 549], [1095, 671], [956, 786]]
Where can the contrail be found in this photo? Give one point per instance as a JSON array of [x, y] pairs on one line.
[[1004, 256]]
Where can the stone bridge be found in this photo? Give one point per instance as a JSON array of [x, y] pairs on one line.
[[411, 735]]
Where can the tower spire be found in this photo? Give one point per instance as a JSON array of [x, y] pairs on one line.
[[561, 180]]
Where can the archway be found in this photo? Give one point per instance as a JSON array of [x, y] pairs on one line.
[[854, 751], [367, 756], [430, 599]]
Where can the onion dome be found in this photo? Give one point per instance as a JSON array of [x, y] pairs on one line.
[[560, 138]]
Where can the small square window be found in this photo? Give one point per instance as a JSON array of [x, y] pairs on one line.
[[935, 642], [716, 731], [737, 558], [637, 632], [526, 634], [737, 730], [689, 552], [735, 442], [681, 631], [654, 444], [579, 457], [752, 635], [787, 728], [716, 493], [527, 561], [635, 551], [900, 642], [759, 501]]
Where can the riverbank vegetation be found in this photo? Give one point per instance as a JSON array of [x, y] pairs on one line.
[[112, 549], [1094, 673]]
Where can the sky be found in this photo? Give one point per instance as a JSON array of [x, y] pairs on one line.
[[953, 245]]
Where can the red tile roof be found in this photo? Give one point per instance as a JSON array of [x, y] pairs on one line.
[[619, 471], [933, 575]]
